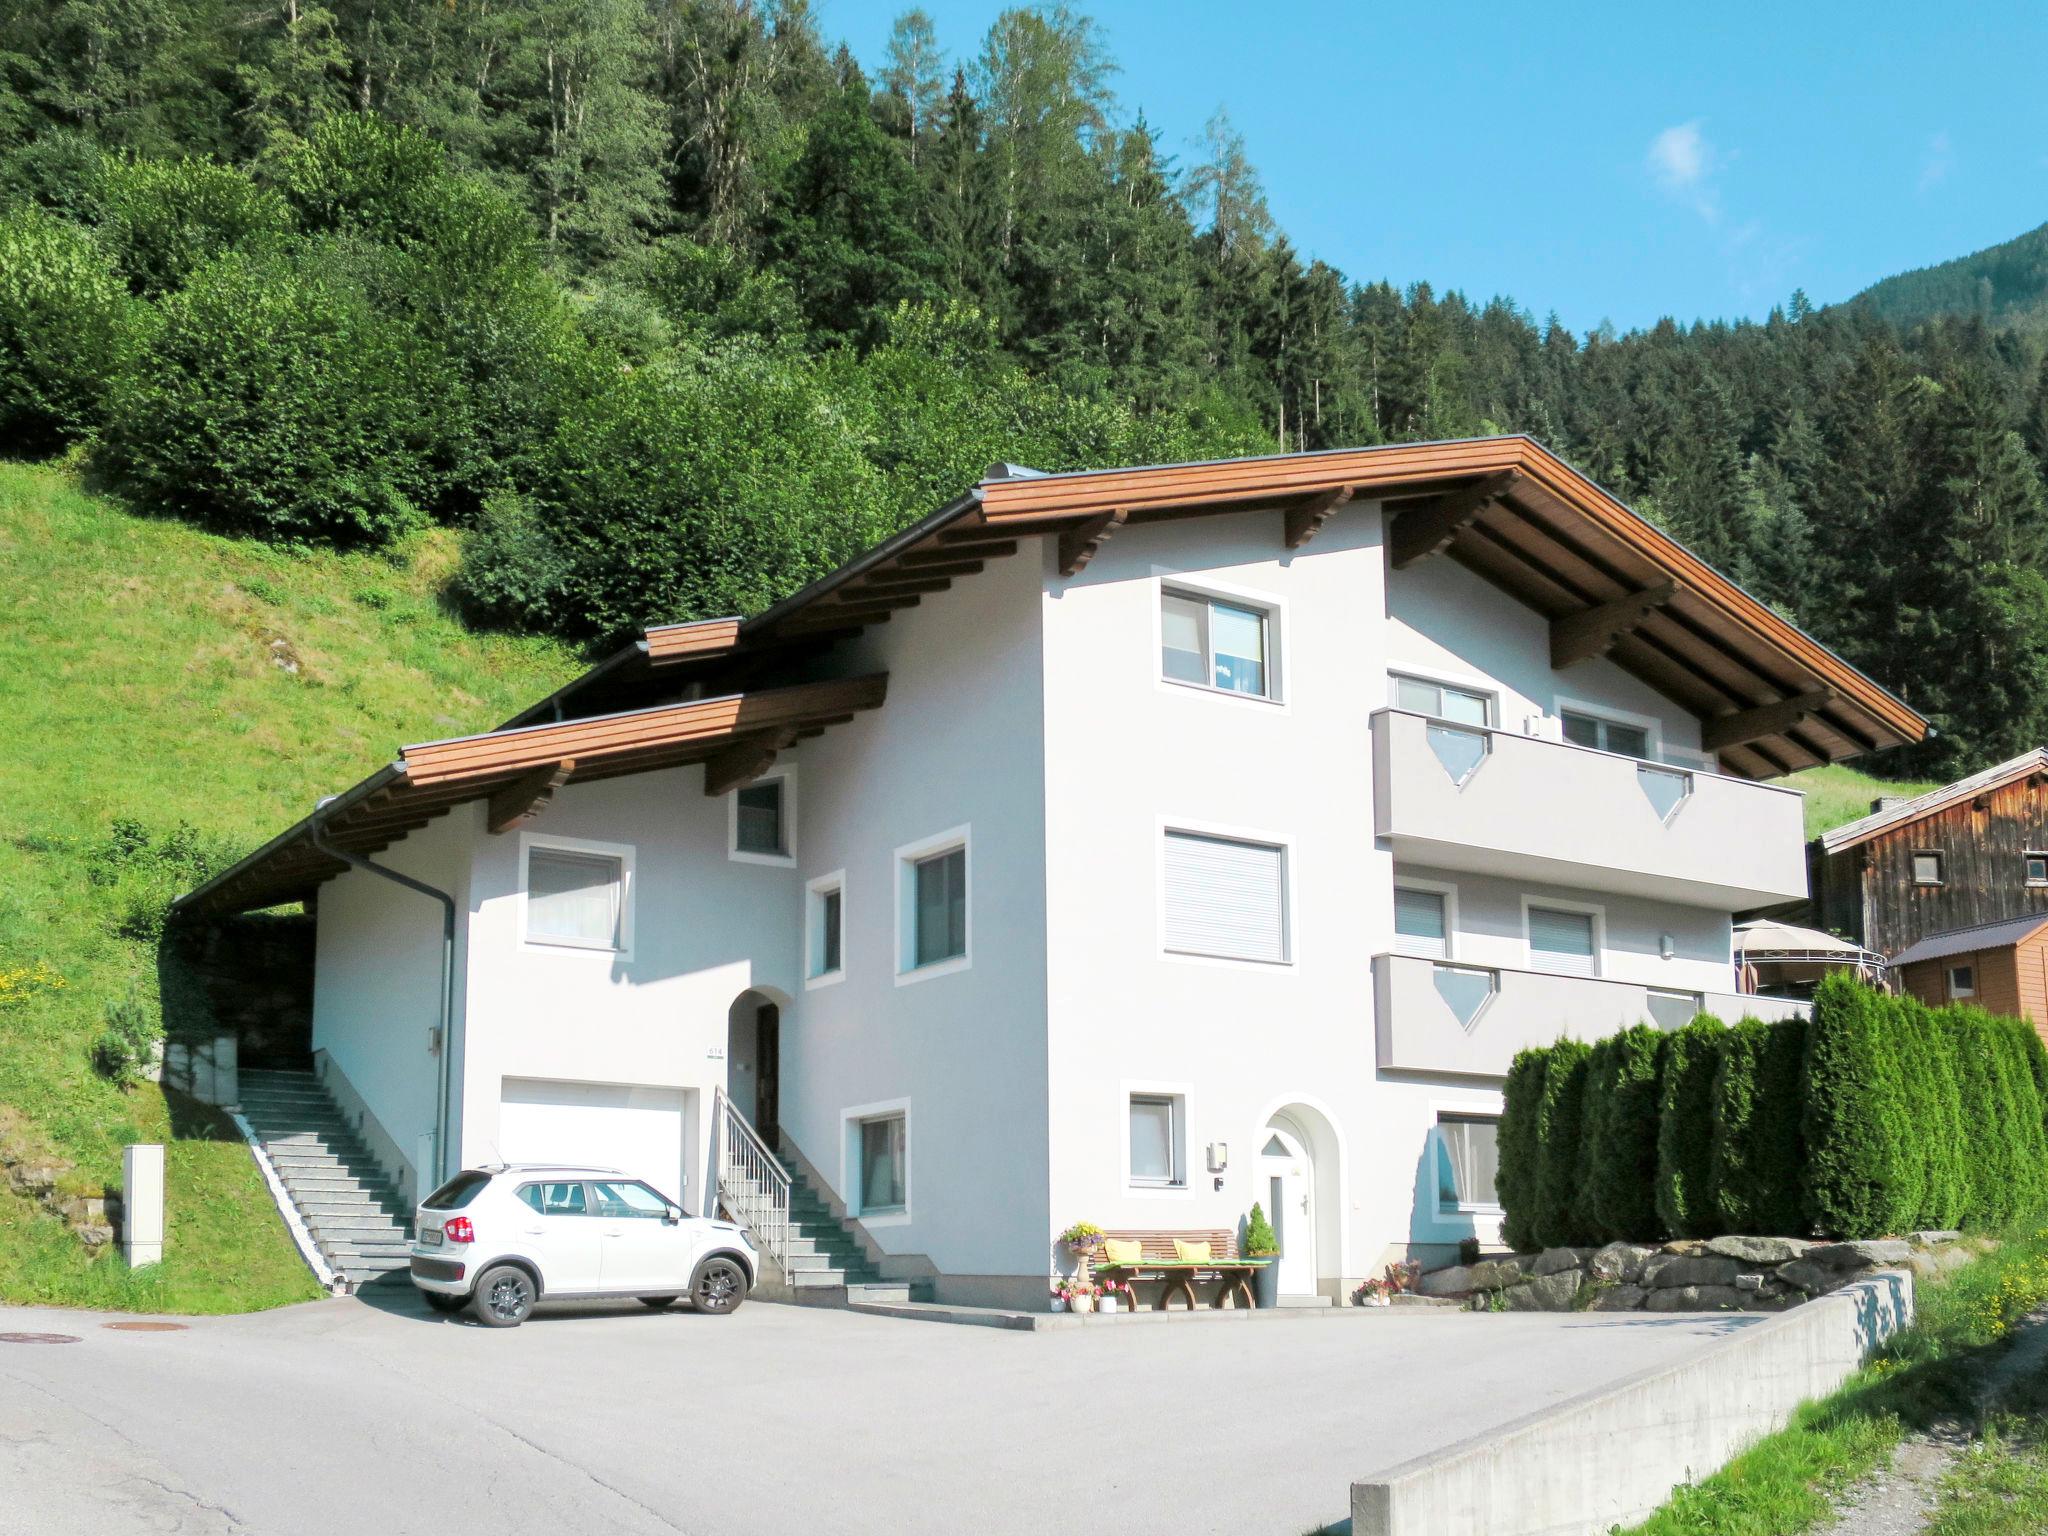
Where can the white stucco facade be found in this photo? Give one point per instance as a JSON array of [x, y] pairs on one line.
[[1028, 722]]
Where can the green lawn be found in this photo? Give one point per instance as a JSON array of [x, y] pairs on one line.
[[140, 678], [1838, 793], [1929, 1373]]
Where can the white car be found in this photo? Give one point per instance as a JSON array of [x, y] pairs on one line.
[[499, 1239]]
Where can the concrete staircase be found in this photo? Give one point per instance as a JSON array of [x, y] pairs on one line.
[[354, 1214], [827, 1265]]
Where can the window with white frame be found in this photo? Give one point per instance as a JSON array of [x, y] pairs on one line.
[[1564, 941], [1443, 701], [884, 1172], [1226, 897], [1604, 734], [1467, 1162], [575, 897], [1962, 981], [824, 928], [1215, 642], [1420, 923], [1674, 1010], [932, 906], [1158, 1141], [762, 817]]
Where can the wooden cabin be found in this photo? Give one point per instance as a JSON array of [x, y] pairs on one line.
[[1999, 966], [1971, 853]]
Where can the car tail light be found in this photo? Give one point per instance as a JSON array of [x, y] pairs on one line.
[[458, 1230]]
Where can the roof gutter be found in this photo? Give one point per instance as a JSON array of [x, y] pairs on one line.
[[443, 1045]]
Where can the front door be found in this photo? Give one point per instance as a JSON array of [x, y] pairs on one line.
[[1289, 1180], [768, 1061]]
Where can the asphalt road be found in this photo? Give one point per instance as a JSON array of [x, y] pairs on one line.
[[355, 1416]]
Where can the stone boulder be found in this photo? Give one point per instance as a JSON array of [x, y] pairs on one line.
[[1495, 1274], [1817, 1279], [1553, 1292], [1617, 1298], [1759, 1250], [1621, 1262], [1455, 1281], [1553, 1261], [1698, 1298], [1703, 1270], [1863, 1255]]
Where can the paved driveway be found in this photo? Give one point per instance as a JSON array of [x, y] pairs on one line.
[[350, 1416]]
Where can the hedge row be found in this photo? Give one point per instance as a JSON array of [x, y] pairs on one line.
[[1878, 1115]]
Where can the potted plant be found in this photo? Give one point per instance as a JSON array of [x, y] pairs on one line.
[[1261, 1243], [1080, 1296], [1082, 1239], [1115, 1296]]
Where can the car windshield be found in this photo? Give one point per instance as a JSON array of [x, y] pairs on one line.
[[457, 1192], [626, 1197]]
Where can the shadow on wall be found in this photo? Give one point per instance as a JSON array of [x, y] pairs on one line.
[[1428, 1224], [249, 976]]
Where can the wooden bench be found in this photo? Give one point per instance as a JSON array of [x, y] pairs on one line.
[[1159, 1261]]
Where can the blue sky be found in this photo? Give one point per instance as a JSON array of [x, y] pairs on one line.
[[1611, 162]]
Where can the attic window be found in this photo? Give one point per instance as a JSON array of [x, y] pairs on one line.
[[1927, 866], [2037, 868]]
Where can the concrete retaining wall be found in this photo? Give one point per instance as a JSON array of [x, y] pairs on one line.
[[1613, 1456]]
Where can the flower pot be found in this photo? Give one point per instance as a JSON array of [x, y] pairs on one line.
[[1266, 1282], [1081, 1304], [1059, 1303], [1112, 1304]]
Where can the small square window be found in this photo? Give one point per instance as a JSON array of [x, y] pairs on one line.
[[2037, 869], [1605, 735], [1562, 941], [573, 898], [1211, 643], [883, 1170], [1156, 1158], [1927, 867], [758, 821], [1468, 1160], [1419, 925], [1962, 981]]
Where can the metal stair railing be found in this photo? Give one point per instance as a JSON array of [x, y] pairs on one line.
[[752, 1183]]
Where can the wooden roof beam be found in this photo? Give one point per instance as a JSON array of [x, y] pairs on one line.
[[527, 796], [1306, 517], [1592, 631], [1746, 726], [1079, 543], [896, 584], [1427, 530], [963, 550], [745, 761]]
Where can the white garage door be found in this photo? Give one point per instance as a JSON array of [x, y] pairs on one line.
[[605, 1125]]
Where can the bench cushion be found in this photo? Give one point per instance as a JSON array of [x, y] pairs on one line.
[[1120, 1251], [1190, 1253]]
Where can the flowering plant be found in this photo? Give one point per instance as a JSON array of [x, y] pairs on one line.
[[1068, 1289], [1083, 1235], [1402, 1276]]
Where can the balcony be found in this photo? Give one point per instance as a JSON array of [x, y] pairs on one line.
[[1499, 803], [1439, 1016]]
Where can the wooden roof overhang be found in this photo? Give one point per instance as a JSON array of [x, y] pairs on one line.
[[1770, 698], [518, 770]]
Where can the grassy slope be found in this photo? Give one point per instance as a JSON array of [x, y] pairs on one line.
[[137, 678], [1838, 793]]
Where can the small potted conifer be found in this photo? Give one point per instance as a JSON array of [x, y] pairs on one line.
[[1260, 1242]]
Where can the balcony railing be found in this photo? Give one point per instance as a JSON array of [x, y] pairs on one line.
[[1443, 1016], [1497, 802]]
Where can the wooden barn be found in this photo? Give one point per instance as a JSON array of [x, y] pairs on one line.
[[2000, 966], [1971, 853]]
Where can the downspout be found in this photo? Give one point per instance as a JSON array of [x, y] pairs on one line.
[[446, 1043]]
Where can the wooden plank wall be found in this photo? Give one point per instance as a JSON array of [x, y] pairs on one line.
[[1984, 869], [1998, 985]]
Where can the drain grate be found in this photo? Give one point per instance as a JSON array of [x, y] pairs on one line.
[[145, 1327], [38, 1338]]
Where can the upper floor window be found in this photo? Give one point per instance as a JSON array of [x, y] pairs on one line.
[[763, 823], [1565, 941], [1927, 866], [2037, 868], [1419, 923], [1226, 897], [1443, 701], [1213, 643], [575, 896], [824, 922], [1605, 735], [931, 906]]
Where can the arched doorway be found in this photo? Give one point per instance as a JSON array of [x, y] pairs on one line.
[[753, 1061], [1300, 1178]]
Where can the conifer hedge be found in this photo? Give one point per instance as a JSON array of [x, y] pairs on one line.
[[1875, 1116]]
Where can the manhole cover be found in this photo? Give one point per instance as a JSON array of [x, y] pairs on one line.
[[146, 1327], [38, 1338]]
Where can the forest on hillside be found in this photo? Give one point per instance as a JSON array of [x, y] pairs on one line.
[[671, 306]]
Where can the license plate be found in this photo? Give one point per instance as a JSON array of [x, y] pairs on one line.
[[430, 1237]]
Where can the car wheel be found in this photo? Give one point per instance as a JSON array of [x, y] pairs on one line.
[[718, 1286], [441, 1303], [504, 1297], [656, 1302]]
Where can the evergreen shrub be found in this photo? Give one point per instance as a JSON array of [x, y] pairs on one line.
[[1561, 1135], [1685, 1129], [1517, 1176], [1756, 1151], [1622, 1094], [1863, 1171]]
